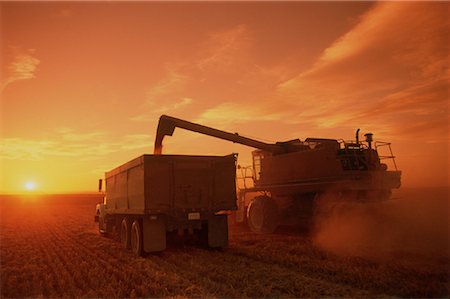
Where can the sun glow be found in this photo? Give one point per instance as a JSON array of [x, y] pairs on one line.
[[30, 186]]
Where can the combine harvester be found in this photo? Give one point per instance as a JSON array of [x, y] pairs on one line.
[[289, 177]]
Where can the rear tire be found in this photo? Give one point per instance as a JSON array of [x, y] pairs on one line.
[[125, 232], [262, 215], [137, 241]]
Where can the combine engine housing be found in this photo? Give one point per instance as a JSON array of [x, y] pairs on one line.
[[320, 166]]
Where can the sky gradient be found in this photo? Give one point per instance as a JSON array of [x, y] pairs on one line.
[[83, 84]]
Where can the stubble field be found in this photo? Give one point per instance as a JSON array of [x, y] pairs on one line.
[[50, 247]]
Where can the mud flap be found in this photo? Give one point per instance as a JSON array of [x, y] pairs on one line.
[[218, 231], [154, 232]]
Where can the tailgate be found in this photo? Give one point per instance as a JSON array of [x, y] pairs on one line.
[[205, 184], [193, 183]]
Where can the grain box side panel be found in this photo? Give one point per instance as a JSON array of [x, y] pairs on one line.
[[111, 192], [121, 190], [136, 196], [118, 187], [158, 183]]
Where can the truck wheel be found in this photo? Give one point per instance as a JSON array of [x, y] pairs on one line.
[[101, 225], [125, 231], [262, 215], [137, 241]]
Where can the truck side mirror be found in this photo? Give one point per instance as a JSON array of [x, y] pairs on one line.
[[100, 183]]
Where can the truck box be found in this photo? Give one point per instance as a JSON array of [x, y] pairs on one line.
[[155, 194], [172, 184]]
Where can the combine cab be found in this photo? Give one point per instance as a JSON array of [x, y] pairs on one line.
[[289, 177]]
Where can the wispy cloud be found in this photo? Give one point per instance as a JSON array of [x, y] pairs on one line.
[[71, 135], [22, 67], [154, 111], [223, 49], [69, 143], [167, 95], [223, 53], [25, 149], [137, 141], [391, 68], [173, 82], [229, 113], [174, 106]]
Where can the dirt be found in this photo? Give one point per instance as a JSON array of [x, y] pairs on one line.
[[50, 247]]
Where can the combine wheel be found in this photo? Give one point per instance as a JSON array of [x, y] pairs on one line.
[[137, 242], [262, 215], [125, 232]]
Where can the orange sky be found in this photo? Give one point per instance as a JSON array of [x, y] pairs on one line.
[[83, 84]]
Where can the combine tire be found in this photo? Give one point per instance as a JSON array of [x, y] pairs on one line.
[[137, 242], [125, 232], [262, 215]]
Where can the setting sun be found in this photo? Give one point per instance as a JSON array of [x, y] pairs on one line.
[[30, 186]]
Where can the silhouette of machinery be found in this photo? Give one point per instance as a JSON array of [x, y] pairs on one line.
[[290, 177]]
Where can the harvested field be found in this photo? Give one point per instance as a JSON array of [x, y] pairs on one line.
[[50, 247]]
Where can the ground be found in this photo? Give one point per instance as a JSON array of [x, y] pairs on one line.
[[50, 247]]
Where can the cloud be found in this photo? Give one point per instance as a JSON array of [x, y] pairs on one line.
[[389, 72], [68, 143], [173, 106], [222, 66], [221, 73], [70, 135], [167, 95], [390, 69], [22, 67], [25, 149], [172, 83], [225, 49], [154, 111], [137, 141], [230, 113]]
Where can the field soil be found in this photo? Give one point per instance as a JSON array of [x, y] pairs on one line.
[[50, 247]]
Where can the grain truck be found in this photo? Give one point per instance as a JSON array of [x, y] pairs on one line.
[[290, 177], [153, 195]]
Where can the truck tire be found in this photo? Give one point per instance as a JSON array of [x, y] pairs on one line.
[[262, 215], [137, 242], [101, 225], [125, 232]]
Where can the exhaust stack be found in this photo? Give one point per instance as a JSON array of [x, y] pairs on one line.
[[369, 139]]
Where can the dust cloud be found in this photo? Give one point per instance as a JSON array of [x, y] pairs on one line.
[[412, 225]]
